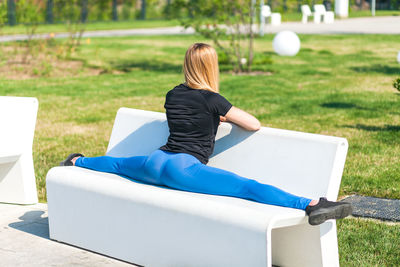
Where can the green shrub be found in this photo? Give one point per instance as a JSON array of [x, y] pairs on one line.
[[396, 84], [261, 59], [223, 58]]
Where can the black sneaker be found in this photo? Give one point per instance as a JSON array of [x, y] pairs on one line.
[[68, 160], [326, 210]]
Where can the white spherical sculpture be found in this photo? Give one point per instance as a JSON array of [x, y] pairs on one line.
[[286, 43], [398, 57]]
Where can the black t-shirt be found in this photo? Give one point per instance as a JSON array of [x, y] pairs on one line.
[[193, 119]]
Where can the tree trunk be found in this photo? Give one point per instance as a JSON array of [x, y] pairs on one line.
[[49, 12], [84, 10], [168, 8], [143, 10], [12, 18], [114, 10], [251, 35]]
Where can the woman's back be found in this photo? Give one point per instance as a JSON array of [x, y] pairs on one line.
[[193, 119]]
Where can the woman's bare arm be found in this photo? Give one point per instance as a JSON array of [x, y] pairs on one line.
[[242, 119]]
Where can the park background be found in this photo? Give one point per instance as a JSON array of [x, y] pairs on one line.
[[341, 85]]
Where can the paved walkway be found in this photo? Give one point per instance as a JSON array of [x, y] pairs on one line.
[[376, 208], [368, 25], [24, 241]]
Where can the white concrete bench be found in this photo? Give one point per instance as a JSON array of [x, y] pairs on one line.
[[156, 226], [275, 17], [17, 127], [320, 11], [306, 12]]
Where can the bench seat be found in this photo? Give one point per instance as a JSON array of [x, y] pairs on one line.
[[123, 211]]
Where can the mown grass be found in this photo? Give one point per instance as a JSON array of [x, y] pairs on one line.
[[93, 26], [368, 243], [367, 13], [337, 85]]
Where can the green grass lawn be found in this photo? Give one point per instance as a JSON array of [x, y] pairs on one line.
[[367, 13], [367, 243], [337, 85], [94, 26]]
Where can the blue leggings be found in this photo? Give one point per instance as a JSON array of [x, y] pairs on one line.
[[185, 172]]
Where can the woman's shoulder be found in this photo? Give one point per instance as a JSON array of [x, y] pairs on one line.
[[175, 89], [208, 95], [180, 87]]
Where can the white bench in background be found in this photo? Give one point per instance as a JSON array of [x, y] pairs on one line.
[[306, 12], [157, 226], [320, 11], [17, 127], [275, 18]]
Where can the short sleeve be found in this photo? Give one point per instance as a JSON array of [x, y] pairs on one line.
[[218, 104]]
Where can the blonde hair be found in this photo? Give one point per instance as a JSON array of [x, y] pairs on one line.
[[201, 67]]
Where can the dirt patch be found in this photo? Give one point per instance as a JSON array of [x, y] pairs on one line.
[[19, 64]]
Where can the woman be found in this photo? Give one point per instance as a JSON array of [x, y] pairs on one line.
[[194, 111]]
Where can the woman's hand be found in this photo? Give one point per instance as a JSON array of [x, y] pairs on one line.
[[242, 119]]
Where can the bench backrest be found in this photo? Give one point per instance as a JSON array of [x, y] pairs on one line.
[[266, 10], [305, 164], [17, 123], [319, 9], [305, 9], [17, 127]]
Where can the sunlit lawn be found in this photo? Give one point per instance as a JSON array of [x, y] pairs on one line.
[[93, 26], [337, 85]]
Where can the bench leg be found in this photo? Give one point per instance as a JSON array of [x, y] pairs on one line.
[[17, 181], [304, 19], [305, 245], [317, 18]]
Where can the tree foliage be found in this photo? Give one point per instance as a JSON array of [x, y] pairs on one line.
[[228, 23], [3, 15], [30, 12]]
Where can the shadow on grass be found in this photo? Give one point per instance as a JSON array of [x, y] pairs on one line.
[[268, 53], [378, 69], [128, 66], [314, 72], [343, 105], [369, 128]]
